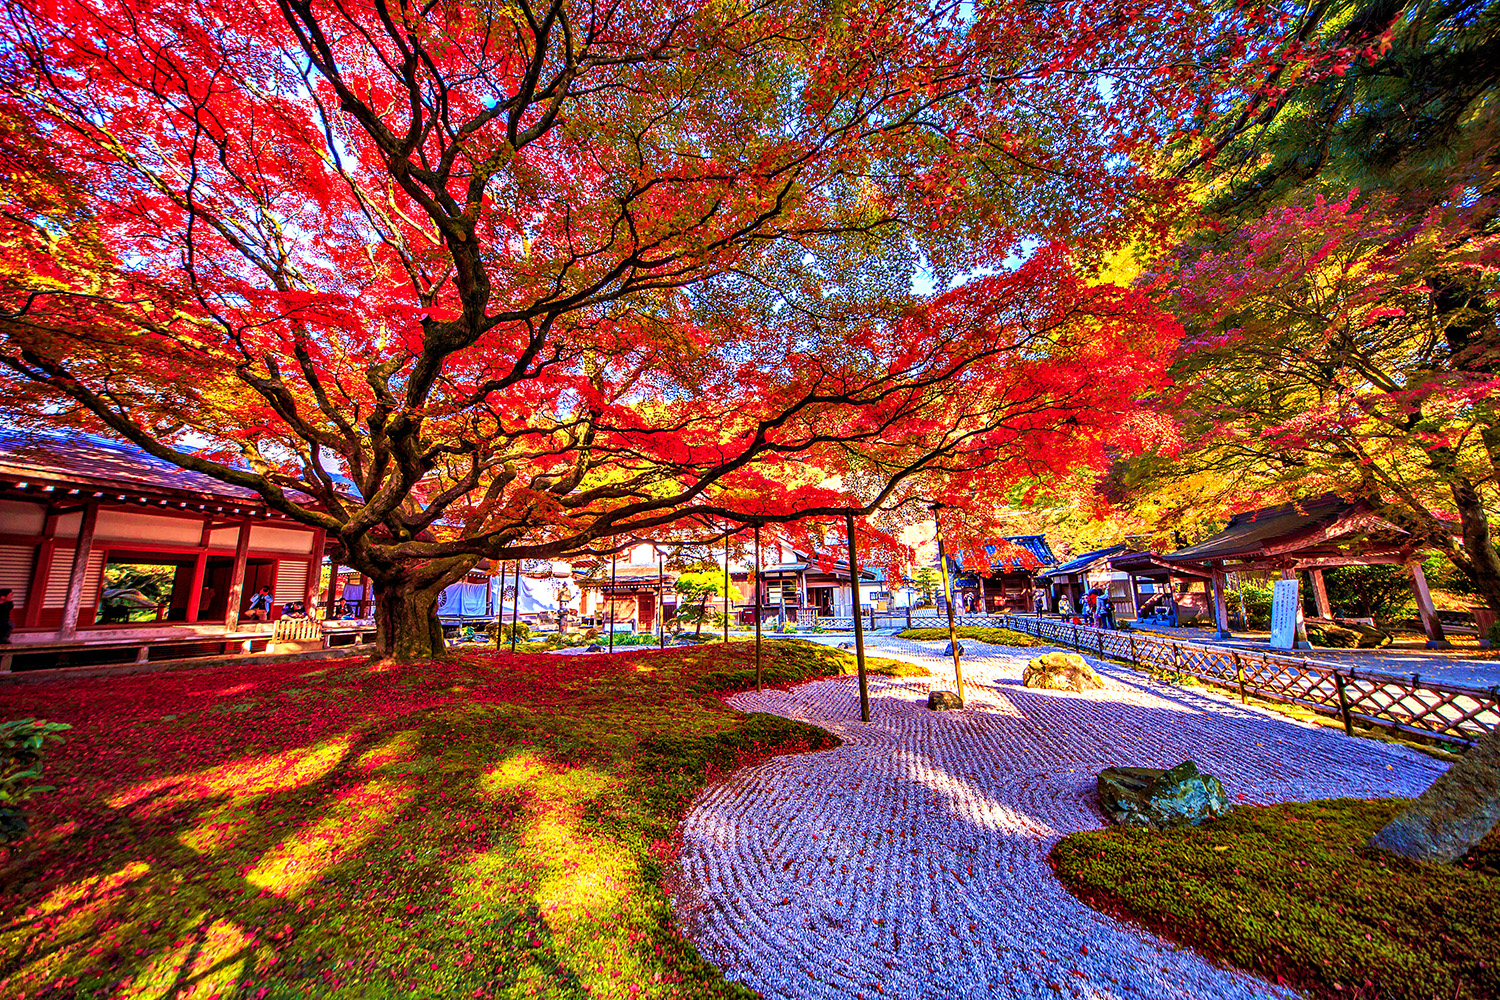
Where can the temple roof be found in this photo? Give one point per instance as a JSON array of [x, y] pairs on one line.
[[1086, 561], [86, 460], [1287, 528]]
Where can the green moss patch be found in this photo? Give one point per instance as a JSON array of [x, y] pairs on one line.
[[1291, 892], [996, 636], [494, 826]]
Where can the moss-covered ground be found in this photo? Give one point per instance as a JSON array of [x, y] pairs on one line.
[[1292, 892], [494, 826], [979, 633]]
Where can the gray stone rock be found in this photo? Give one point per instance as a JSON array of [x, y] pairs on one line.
[[940, 700], [596, 648], [1150, 797], [948, 650], [1061, 672], [1455, 812], [846, 645]]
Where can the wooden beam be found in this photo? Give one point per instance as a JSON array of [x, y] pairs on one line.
[[237, 577], [1430, 623], [1320, 594], [73, 603]]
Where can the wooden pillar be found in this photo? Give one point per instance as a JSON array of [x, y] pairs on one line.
[[195, 594], [1221, 610], [40, 573], [1430, 623], [314, 574], [1135, 595], [1320, 594], [237, 576], [859, 630], [333, 589], [1301, 635], [73, 604]]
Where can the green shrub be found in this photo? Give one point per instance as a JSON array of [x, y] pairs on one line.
[[1257, 604], [22, 745]]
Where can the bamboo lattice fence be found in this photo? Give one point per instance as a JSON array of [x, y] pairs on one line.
[[1404, 703]]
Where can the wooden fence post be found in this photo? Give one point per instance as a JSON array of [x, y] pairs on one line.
[[1338, 682], [1136, 660], [1239, 673]]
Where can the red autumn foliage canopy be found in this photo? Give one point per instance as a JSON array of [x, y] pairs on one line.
[[460, 280]]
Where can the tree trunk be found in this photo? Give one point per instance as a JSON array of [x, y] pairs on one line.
[[702, 613], [406, 622], [1455, 812]]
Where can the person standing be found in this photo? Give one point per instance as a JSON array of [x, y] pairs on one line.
[[1106, 612], [1041, 604], [7, 605]]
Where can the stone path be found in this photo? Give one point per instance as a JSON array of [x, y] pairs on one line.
[[912, 861]]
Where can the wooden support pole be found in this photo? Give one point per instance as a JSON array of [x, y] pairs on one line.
[[1320, 594], [613, 597], [195, 589], [859, 628], [41, 572], [515, 608], [1430, 622], [333, 590], [237, 577], [1221, 609], [1338, 682], [315, 573], [73, 603], [958, 670], [726, 588], [1301, 635], [757, 607]]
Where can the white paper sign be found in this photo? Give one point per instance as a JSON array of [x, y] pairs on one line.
[[1285, 599]]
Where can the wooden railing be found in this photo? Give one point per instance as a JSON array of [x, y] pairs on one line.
[[1407, 704]]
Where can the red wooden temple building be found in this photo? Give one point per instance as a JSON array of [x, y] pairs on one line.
[[104, 546]]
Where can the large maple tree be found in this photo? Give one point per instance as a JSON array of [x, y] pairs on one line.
[[460, 280]]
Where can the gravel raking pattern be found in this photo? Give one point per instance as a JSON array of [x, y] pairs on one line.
[[912, 861]]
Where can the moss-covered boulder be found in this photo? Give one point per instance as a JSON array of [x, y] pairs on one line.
[[1151, 797], [1332, 636], [1369, 636], [1061, 672], [1454, 814]]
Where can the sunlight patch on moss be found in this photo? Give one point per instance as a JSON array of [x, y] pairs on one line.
[[395, 750], [206, 964], [351, 819], [241, 779]]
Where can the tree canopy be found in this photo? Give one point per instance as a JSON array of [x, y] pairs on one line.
[[451, 281]]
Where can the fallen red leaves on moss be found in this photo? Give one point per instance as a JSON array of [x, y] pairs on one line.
[[492, 825]]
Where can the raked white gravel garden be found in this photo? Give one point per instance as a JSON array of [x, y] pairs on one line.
[[912, 860]]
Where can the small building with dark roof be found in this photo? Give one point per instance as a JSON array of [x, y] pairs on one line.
[[1009, 586], [100, 540], [1074, 578], [1309, 535]]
